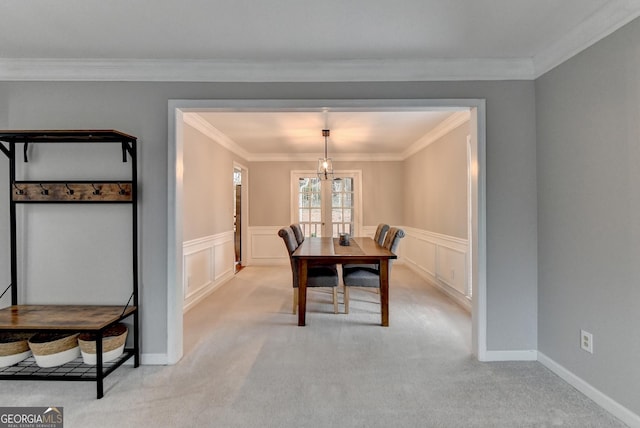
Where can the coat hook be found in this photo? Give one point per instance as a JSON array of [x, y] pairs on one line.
[[122, 191], [70, 191], [19, 191], [96, 191], [44, 191]]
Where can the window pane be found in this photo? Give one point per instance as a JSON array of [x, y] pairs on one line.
[[348, 200], [303, 184], [336, 216], [304, 216], [316, 215], [348, 184], [347, 216]]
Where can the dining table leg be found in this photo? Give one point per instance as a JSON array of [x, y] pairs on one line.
[[302, 291], [384, 291]]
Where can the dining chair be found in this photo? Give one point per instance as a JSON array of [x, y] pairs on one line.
[[369, 275], [317, 276], [381, 232], [297, 230]]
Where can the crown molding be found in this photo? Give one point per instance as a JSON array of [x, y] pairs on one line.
[[605, 21], [613, 15], [197, 122], [442, 129], [337, 157], [150, 70]]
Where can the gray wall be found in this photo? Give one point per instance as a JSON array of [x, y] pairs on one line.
[[141, 109], [589, 234], [435, 185]]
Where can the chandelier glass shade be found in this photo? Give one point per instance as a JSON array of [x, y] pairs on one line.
[[325, 164]]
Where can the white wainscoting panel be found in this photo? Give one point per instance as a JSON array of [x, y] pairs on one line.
[[198, 269], [369, 231], [208, 263], [451, 267], [440, 259], [266, 247], [224, 258], [419, 253]]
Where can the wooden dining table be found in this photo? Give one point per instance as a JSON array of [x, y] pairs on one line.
[[318, 251]]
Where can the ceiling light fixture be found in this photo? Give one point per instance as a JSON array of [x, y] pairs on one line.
[[325, 165]]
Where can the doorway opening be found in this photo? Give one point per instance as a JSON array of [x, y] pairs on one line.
[[477, 237], [237, 218]]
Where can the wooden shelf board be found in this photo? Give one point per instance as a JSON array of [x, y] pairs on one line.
[[61, 317], [47, 191], [65, 136]]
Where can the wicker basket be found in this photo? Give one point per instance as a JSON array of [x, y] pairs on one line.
[[113, 341], [50, 350], [14, 347]]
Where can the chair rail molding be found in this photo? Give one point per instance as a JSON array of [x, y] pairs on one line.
[[208, 263]]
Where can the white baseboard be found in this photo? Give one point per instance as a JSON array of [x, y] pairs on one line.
[[524, 355], [603, 400]]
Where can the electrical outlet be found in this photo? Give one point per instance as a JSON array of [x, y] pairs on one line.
[[586, 341]]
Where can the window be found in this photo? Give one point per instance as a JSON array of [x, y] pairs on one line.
[[342, 206], [326, 208]]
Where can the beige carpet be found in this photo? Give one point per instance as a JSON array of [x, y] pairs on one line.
[[247, 364]]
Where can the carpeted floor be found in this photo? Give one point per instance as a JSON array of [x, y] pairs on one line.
[[247, 364]]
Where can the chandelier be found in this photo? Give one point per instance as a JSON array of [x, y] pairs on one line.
[[325, 165]]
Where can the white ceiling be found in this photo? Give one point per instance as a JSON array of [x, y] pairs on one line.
[[354, 135], [303, 40], [298, 40]]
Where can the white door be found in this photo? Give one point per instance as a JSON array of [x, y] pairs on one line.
[[326, 207]]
